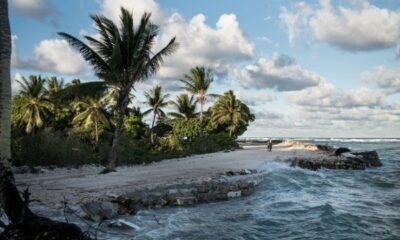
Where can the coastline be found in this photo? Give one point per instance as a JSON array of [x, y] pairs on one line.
[[174, 182]]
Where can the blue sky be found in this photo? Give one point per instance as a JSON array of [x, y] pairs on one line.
[[307, 68]]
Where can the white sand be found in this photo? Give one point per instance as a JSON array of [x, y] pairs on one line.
[[84, 184]]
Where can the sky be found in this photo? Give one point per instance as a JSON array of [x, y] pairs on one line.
[[327, 68]]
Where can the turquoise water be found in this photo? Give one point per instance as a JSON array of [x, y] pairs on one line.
[[295, 204]]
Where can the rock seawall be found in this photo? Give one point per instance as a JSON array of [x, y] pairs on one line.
[[230, 185]]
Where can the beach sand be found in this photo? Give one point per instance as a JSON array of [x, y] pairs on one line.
[[84, 184]]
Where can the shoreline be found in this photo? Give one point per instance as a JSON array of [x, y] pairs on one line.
[[174, 182]]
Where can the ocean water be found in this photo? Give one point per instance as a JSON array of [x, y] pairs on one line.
[[293, 203]]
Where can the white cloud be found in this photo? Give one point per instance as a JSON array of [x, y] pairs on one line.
[[51, 55], [266, 114], [281, 72], [14, 55], [15, 86], [383, 77], [327, 96], [358, 27], [255, 98], [216, 48], [112, 9], [294, 21], [36, 9]]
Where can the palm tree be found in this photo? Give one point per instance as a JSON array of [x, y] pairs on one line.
[[54, 86], [121, 57], [197, 82], [10, 200], [34, 104], [231, 112], [185, 106], [92, 113], [17, 210], [156, 100]]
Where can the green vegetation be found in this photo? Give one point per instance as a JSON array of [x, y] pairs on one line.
[[96, 123], [121, 57], [156, 100], [198, 82]]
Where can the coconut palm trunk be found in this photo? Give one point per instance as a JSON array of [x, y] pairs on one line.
[[25, 224], [5, 84], [151, 130], [123, 103], [10, 199], [96, 131], [202, 100]]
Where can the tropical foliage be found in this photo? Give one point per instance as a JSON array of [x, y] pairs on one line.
[[121, 57], [33, 104], [230, 112], [198, 82], [156, 100], [91, 119], [91, 114], [185, 106]]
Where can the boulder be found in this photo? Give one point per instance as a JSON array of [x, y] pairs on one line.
[[324, 148], [97, 211], [371, 158], [341, 150]]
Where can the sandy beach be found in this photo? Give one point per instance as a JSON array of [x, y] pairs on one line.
[[85, 184]]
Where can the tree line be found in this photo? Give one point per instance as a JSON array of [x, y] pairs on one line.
[[121, 56]]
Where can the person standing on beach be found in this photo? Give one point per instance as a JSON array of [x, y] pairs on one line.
[[270, 145]]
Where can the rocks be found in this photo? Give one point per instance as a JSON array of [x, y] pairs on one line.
[[355, 161], [216, 189], [97, 211], [341, 150], [324, 148], [370, 157]]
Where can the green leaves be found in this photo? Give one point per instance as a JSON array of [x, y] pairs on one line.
[[82, 90], [231, 113], [156, 100], [185, 106]]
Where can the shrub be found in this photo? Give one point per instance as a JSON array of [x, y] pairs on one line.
[[51, 148]]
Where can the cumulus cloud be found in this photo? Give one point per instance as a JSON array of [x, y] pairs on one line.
[[51, 55], [385, 78], [112, 9], [268, 115], [326, 95], [39, 10], [294, 21], [15, 86], [217, 48], [360, 26], [281, 72], [255, 98]]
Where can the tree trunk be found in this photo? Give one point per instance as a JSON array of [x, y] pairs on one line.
[[202, 101], [5, 84], [112, 157], [97, 132], [151, 130], [10, 200], [24, 224], [201, 111]]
